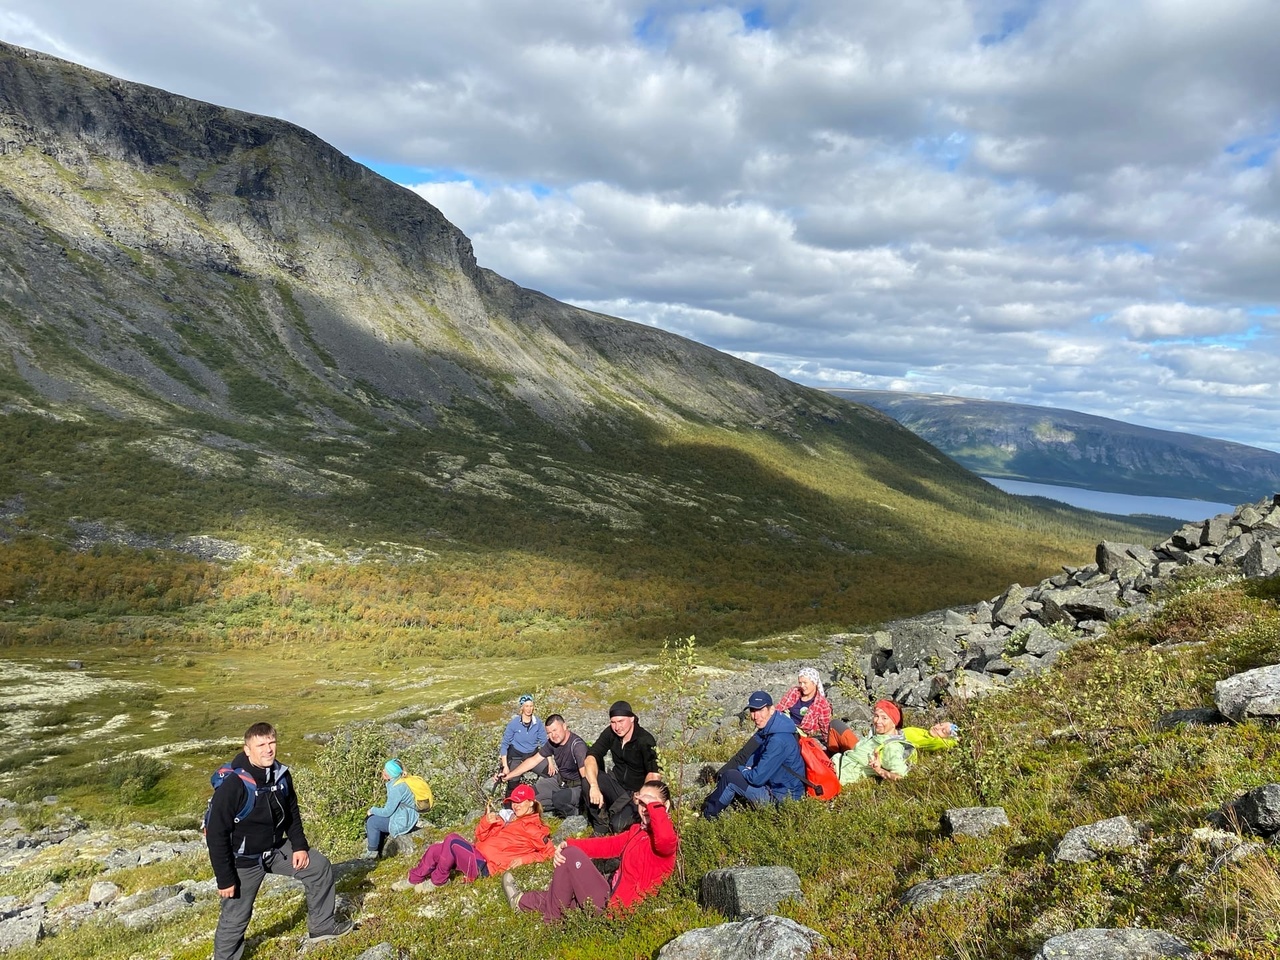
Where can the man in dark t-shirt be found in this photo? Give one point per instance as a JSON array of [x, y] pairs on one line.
[[560, 791], [634, 753]]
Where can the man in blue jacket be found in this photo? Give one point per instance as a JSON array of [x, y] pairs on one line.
[[772, 773]]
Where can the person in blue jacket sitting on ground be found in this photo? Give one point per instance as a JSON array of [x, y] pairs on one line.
[[773, 771], [397, 816]]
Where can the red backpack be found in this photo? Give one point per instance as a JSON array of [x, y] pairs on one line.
[[819, 778]]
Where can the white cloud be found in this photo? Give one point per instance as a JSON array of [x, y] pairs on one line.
[[1068, 202], [1161, 321]]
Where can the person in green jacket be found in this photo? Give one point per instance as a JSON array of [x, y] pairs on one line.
[[882, 754], [940, 736]]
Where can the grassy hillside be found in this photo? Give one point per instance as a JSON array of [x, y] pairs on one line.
[[1076, 745]]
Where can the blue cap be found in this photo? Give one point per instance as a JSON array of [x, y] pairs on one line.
[[759, 700]]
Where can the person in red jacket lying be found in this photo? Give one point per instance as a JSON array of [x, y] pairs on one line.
[[648, 852]]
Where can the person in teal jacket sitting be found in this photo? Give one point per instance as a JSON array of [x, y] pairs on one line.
[[394, 818]]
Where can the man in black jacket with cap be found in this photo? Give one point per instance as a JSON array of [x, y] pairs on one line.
[[635, 763], [244, 845]]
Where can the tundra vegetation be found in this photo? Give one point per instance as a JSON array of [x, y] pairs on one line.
[[1077, 744]]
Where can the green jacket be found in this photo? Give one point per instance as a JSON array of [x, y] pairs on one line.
[[920, 738], [854, 765]]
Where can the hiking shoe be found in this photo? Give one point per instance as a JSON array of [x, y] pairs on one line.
[[339, 930], [404, 885], [512, 890]]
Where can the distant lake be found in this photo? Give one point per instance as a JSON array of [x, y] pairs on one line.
[[1121, 503]]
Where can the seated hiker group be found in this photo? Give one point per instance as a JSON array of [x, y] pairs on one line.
[[253, 826]]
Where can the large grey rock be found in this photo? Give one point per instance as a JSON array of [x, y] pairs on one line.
[[1085, 843], [757, 938], [103, 892], [146, 916], [1011, 606], [148, 898], [21, 929], [1234, 551], [1100, 602], [1261, 560], [383, 951], [925, 640], [1193, 717], [748, 891], [1131, 943], [1111, 557], [1258, 811], [944, 888], [1215, 531], [1254, 693], [973, 821]]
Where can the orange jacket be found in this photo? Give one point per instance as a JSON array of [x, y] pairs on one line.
[[504, 845]]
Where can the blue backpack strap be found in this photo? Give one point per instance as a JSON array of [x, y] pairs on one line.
[[224, 773]]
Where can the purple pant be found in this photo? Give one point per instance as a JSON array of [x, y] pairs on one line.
[[440, 859], [575, 883]]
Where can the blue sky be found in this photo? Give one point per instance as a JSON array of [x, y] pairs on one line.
[[1073, 204]]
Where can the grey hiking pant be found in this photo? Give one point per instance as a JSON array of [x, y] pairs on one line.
[[317, 881]]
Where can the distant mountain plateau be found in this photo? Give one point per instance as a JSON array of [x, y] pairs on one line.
[[1045, 445]]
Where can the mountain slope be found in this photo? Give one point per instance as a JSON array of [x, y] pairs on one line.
[[213, 323], [1045, 445]]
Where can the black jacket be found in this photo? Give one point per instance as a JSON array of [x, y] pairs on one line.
[[273, 819]]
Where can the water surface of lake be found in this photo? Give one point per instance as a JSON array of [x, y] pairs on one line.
[[1124, 504]]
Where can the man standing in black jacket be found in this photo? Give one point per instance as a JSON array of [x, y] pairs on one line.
[[244, 845]]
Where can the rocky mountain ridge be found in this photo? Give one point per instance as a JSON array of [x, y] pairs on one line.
[[136, 226]]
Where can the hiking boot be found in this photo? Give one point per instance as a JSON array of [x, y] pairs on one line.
[[340, 930], [512, 890], [404, 885]]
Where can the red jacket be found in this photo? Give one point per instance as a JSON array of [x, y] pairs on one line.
[[501, 844], [648, 856]]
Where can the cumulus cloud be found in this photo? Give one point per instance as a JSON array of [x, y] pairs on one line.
[[1067, 202]]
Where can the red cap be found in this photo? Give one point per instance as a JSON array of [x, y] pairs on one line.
[[521, 793], [891, 708]]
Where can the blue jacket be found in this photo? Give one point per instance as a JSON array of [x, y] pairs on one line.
[[772, 763], [526, 740], [401, 809]]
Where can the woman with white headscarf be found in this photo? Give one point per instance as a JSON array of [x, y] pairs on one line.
[[807, 705]]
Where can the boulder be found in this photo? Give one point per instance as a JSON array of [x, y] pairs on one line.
[[1235, 550], [1254, 693], [1258, 811], [757, 938], [1130, 943], [944, 888], [1261, 560], [1195, 717], [1111, 557], [1011, 606], [382, 951], [1085, 843], [973, 821], [146, 916], [739, 892], [1214, 533], [103, 892], [21, 929]]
